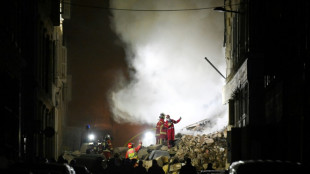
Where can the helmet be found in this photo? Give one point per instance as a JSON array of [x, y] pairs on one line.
[[129, 145], [162, 115]]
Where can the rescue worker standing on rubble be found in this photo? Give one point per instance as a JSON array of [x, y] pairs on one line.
[[169, 124], [132, 153], [161, 131]]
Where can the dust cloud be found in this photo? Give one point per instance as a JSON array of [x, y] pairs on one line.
[[166, 51]]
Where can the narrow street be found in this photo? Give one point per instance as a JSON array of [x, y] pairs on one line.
[[135, 86]]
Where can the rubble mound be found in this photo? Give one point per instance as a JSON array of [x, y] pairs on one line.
[[201, 149]]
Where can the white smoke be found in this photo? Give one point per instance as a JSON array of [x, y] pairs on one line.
[[167, 52]]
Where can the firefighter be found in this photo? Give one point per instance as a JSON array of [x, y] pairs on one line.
[[161, 131], [108, 148], [169, 124], [109, 143], [132, 153]]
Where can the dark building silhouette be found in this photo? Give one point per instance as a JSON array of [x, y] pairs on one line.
[[33, 85], [267, 83]]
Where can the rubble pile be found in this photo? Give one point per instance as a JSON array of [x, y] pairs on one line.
[[202, 149]]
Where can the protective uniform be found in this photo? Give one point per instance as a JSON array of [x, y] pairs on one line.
[[161, 131], [169, 124], [132, 153], [109, 143], [108, 147]]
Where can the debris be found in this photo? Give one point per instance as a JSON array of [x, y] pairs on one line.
[[202, 149]]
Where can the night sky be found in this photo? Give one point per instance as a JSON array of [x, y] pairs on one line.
[[114, 85]]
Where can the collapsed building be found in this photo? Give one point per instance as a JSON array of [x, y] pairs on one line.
[[201, 149]]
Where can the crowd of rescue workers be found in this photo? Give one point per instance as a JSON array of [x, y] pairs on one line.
[[165, 134]]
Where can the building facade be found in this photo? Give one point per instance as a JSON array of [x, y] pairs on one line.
[[267, 57], [34, 71]]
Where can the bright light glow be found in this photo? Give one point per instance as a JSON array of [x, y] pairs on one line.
[[148, 138], [91, 137]]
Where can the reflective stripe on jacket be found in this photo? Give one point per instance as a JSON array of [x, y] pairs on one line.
[[132, 153], [163, 129]]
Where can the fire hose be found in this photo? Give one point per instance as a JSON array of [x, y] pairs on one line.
[[125, 145]]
